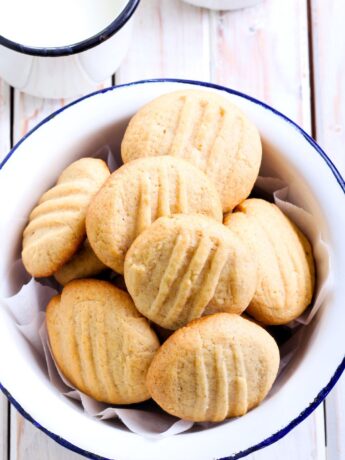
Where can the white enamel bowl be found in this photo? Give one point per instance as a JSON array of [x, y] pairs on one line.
[[78, 130]]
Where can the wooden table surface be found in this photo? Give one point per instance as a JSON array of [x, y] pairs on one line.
[[288, 53]]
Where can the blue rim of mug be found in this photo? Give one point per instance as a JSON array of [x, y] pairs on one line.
[[339, 370], [81, 46]]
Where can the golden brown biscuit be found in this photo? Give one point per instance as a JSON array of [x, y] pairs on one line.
[[137, 194], [216, 367], [286, 274], [185, 266], [204, 128], [83, 264], [100, 342], [56, 225]]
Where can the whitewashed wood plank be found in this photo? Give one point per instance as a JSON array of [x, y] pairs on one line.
[[3, 427], [26, 441], [5, 143], [170, 39], [263, 51], [328, 19], [5, 119], [305, 442], [335, 417], [29, 443]]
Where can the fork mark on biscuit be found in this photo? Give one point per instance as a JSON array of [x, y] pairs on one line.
[[207, 130], [202, 386], [181, 194], [209, 285], [176, 261], [163, 193], [240, 397], [187, 284], [183, 128], [58, 206], [279, 264], [76, 368], [99, 347], [221, 406], [194, 146], [52, 220], [88, 356], [67, 189], [144, 217], [212, 150], [113, 387]]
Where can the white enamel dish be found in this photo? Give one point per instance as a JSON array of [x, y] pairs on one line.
[[78, 130]]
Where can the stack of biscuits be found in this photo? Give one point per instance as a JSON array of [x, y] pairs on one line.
[[191, 253]]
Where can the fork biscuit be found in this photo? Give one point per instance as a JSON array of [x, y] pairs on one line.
[[204, 128], [56, 225], [100, 342], [286, 273], [216, 367], [183, 267]]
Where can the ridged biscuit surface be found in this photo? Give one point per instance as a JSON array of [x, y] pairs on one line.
[[185, 266], [100, 342], [204, 128], [56, 225], [137, 194], [216, 367], [83, 264], [286, 274]]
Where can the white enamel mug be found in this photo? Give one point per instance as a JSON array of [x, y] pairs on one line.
[[223, 4], [35, 65]]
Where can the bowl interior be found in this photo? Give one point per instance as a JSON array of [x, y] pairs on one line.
[[79, 131]]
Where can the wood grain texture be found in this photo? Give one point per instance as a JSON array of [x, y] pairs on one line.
[[305, 442], [335, 422], [29, 443], [263, 51], [5, 119], [3, 427], [5, 144], [170, 39], [327, 21]]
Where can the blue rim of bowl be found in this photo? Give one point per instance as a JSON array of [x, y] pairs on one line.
[[81, 46], [339, 370]]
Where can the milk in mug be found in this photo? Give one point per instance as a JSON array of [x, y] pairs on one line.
[[44, 23]]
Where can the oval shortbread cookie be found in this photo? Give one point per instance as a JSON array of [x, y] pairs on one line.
[[137, 194], [286, 273], [185, 266], [100, 342], [83, 264], [56, 225], [205, 129], [216, 367]]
